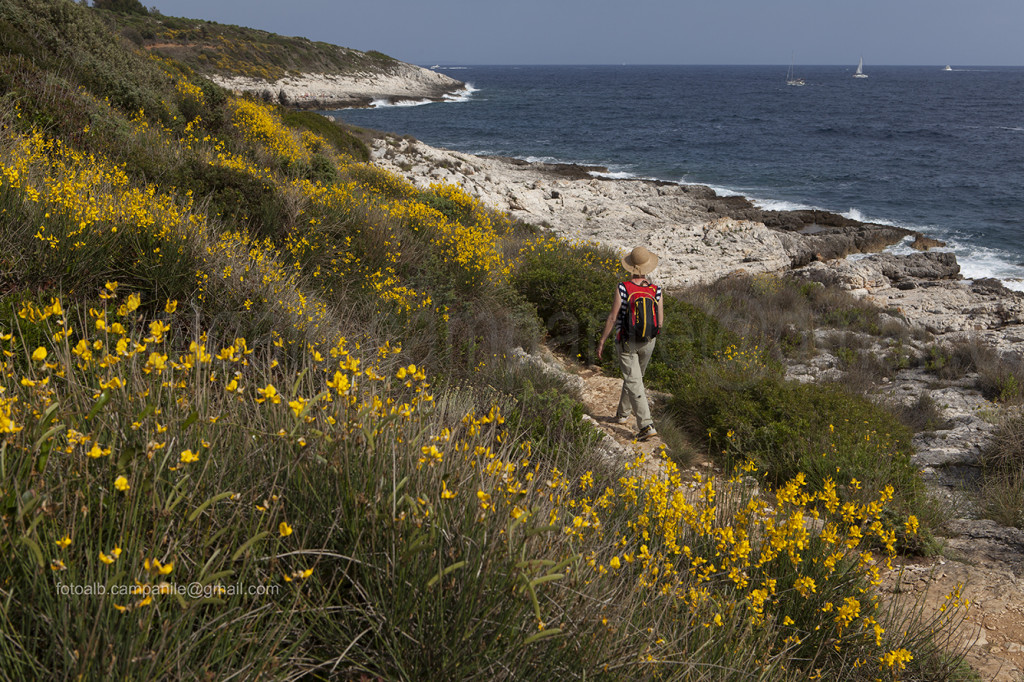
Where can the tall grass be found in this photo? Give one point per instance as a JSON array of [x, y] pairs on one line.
[[780, 314], [1000, 488], [264, 515]]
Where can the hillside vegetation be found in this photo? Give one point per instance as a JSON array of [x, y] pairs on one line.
[[258, 417], [213, 48]]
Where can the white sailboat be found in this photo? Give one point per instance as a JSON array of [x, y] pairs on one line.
[[860, 70], [791, 79]]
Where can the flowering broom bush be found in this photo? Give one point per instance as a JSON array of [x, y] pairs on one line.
[[170, 486]]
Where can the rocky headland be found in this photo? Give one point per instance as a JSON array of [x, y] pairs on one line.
[[395, 83], [702, 237]]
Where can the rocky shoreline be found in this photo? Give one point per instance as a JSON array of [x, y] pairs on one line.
[[398, 82], [702, 237]]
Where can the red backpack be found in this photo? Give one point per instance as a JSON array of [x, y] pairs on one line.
[[641, 320]]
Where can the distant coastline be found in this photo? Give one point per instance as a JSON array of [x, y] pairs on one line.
[[399, 83]]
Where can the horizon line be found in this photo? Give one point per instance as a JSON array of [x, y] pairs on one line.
[[620, 64]]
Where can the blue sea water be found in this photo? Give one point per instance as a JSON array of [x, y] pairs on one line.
[[937, 151]]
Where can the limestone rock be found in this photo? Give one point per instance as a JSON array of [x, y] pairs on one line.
[[923, 243], [400, 81], [822, 244], [932, 265], [548, 365]]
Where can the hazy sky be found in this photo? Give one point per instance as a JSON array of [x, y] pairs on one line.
[[957, 32]]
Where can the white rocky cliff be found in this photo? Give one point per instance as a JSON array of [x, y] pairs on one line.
[[397, 82]]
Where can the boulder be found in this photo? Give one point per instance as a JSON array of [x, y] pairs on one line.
[[932, 265], [922, 243], [817, 243]]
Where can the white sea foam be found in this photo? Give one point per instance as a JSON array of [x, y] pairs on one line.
[[462, 95], [759, 202], [613, 175], [904, 248], [720, 191], [543, 159], [855, 214], [384, 104], [977, 262], [779, 205]]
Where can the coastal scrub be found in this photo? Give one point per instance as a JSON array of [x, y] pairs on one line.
[[250, 423]]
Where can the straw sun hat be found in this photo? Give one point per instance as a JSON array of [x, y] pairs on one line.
[[640, 261]]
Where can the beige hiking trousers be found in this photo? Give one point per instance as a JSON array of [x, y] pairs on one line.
[[633, 359]]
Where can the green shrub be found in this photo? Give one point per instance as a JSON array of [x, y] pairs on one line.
[[319, 168], [234, 196], [553, 420], [788, 429], [690, 336], [381, 182], [337, 134], [451, 209], [380, 57], [70, 39], [125, 6], [573, 288]]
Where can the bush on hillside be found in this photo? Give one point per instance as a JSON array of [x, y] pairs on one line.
[[123, 6], [236, 197], [780, 313], [339, 136], [572, 286], [818, 431]]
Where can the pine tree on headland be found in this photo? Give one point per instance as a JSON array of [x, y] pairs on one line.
[[122, 6]]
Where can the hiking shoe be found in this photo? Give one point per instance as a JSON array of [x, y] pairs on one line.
[[646, 433], [621, 420]]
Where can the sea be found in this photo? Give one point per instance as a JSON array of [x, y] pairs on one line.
[[934, 150]]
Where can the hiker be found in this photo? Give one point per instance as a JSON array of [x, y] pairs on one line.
[[636, 301]]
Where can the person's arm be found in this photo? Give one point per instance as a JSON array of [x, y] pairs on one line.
[[661, 309], [609, 324]]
